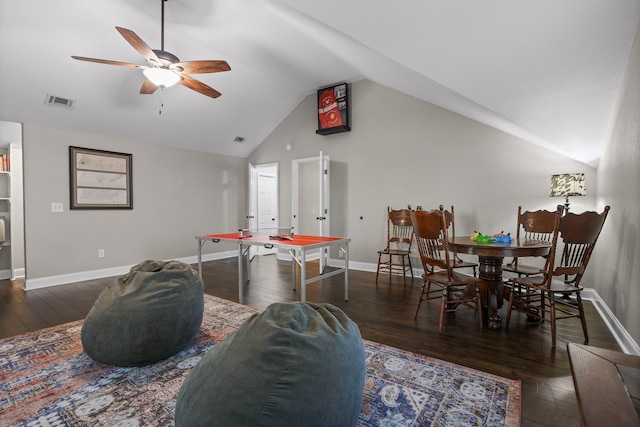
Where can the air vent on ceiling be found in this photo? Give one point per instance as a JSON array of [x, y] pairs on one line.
[[239, 139], [59, 102]]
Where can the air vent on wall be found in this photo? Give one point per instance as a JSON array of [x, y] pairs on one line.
[[59, 102], [239, 139]]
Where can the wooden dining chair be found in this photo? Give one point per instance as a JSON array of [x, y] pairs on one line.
[[456, 261], [577, 236], [533, 225], [395, 258], [442, 286]]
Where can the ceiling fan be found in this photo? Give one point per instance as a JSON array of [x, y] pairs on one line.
[[164, 69]]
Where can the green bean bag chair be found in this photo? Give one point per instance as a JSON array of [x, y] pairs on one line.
[[147, 315], [295, 364]]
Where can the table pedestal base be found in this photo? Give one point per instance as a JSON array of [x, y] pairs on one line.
[[490, 258], [491, 288]]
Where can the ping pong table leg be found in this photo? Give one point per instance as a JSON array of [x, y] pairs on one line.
[[293, 269], [303, 275], [248, 262], [346, 271], [200, 244], [240, 278]]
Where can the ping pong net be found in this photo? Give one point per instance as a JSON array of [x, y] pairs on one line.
[[274, 233]]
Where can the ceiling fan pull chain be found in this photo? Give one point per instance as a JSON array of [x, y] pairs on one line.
[[161, 103]]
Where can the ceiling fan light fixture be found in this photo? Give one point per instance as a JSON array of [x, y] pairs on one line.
[[164, 69], [161, 77]]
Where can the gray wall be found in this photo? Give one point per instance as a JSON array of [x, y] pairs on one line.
[[617, 270], [177, 194], [405, 151]]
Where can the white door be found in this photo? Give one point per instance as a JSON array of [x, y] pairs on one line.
[[324, 196], [263, 206], [252, 215], [310, 198], [267, 207], [267, 202]]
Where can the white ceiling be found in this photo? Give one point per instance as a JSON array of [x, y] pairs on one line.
[[547, 71]]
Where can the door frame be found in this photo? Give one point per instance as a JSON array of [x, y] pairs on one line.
[[254, 201], [324, 225]]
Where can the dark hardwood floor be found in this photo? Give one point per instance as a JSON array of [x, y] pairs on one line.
[[384, 313]]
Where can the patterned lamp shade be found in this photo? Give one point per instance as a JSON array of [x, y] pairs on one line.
[[568, 184]]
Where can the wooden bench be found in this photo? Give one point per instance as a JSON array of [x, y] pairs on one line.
[[607, 386]]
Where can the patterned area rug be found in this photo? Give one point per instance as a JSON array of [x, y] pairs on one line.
[[47, 380]]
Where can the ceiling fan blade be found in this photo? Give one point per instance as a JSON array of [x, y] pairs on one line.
[[198, 86], [202, 67], [108, 62], [148, 87], [139, 45]]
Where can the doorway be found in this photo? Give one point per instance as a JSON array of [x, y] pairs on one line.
[[263, 203], [310, 212], [12, 255]]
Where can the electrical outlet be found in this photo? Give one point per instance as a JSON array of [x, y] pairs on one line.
[[100, 253], [57, 207]]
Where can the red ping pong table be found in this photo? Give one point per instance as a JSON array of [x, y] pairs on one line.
[[296, 245]]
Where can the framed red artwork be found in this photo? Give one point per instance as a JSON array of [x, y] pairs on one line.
[[333, 109]]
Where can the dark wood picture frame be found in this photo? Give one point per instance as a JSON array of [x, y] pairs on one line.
[[333, 109], [100, 179]]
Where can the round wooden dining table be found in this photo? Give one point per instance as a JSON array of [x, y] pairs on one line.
[[490, 258]]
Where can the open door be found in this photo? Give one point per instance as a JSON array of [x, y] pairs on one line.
[[252, 215], [325, 229], [310, 199], [263, 202]]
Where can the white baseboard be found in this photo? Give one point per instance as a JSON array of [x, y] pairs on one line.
[[209, 257], [18, 272], [624, 340], [63, 279], [622, 337], [286, 256], [12, 274]]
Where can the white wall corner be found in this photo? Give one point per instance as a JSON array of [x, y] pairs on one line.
[[624, 340]]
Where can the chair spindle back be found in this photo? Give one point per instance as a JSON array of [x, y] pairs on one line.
[[579, 234], [400, 229], [430, 230]]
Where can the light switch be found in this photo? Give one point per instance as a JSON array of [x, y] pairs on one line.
[[57, 207]]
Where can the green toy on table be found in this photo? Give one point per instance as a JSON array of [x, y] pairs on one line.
[[496, 238]]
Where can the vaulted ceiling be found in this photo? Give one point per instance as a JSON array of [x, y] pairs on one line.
[[547, 71]]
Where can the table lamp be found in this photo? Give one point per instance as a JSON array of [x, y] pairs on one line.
[[568, 184]]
